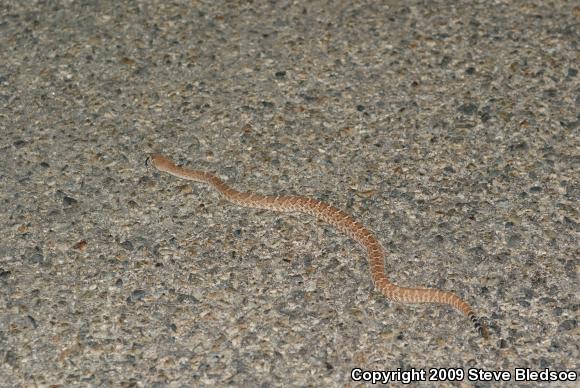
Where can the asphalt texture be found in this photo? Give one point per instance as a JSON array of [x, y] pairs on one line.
[[450, 129]]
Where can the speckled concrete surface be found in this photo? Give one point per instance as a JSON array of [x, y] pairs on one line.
[[449, 130]]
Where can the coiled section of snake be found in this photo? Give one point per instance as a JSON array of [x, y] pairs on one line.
[[342, 222]]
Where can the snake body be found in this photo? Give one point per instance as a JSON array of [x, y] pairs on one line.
[[342, 222]]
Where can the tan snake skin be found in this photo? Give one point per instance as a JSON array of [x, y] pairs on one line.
[[342, 222]]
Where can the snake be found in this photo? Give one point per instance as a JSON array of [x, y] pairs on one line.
[[342, 222]]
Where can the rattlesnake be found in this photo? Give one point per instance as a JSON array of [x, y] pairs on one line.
[[342, 222]]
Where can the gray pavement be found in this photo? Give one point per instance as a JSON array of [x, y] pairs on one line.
[[450, 129]]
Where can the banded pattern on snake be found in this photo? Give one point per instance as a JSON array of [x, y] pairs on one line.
[[342, 222]]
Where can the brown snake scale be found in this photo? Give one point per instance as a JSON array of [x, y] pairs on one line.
[[342, 222]]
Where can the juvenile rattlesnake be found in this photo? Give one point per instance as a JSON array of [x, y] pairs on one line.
[[342, 222]]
